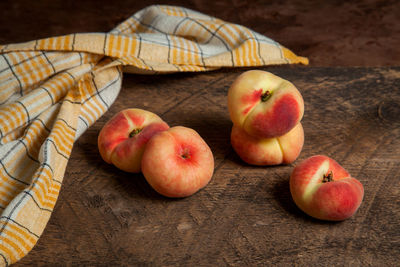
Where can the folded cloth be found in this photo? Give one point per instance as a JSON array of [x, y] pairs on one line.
[[52, 90]]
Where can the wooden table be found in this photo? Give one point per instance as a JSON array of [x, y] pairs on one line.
[[245, 216]]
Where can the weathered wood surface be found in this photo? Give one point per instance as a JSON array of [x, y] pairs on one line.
[[245, 216]]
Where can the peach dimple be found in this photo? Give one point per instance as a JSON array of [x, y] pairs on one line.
[[186, 153]]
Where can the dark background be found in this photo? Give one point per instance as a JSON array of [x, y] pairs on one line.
[[330, 33]]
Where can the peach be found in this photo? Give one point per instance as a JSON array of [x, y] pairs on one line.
[[268, 151], [123, 138], [177, 162], [325, 190], [264, 105]]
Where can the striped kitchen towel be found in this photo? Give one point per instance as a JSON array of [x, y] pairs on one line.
[[52, 90]]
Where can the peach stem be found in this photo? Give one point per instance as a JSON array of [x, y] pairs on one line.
[[328, 177], [265, 96], [185, 154], [134, 132]]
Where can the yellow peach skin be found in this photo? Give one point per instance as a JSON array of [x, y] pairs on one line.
[[177, 162], [264, 105], [123, 138], [268, 151]]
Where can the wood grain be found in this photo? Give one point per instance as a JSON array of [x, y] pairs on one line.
[[245, 216]]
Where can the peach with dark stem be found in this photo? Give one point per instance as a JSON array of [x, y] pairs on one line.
[[325, 190], [264, 105], [123, 138]]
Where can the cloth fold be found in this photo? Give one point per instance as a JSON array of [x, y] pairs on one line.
[[53, 89]]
